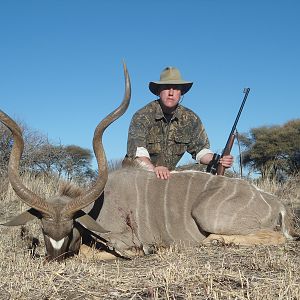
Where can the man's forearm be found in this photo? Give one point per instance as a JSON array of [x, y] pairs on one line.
[[160, 171], [206, 159], [145, 161]]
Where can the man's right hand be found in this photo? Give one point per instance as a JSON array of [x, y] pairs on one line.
[[162, 172]]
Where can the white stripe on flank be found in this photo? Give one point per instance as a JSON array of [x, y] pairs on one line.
[[185, 213], [237, 213], [166, 210], [146, 204], [219, 206], [56, 244], [204, 189], [269, 210]]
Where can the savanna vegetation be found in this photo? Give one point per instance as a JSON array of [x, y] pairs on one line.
[[217, 271], [273, 151], [43, 157]]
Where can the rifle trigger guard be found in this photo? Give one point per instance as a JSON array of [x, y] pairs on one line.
[[213, 164]]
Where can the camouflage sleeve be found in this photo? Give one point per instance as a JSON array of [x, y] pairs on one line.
[[136, 134], [199, 139]]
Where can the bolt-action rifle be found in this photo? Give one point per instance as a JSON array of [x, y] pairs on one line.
[[214, 166]]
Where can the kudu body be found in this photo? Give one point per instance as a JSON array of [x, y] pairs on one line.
[[142, 212], [139, 211]]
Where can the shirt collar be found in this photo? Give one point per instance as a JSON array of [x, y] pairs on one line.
[[160, 115]]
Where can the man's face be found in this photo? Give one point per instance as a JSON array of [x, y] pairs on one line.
[[170, 96]]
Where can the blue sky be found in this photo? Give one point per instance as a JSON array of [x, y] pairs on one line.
[[61, 63]]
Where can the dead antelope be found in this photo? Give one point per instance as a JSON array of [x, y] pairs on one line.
[[141, 212]]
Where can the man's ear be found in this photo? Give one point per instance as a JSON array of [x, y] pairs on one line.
[[89, 223], [23, 218]]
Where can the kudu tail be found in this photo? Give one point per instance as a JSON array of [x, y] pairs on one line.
[[288, 225]]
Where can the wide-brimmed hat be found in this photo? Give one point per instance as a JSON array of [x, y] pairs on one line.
[[170, 76]]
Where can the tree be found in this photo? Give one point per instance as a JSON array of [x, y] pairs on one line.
[[46, 159], [5, 147], [40, 156], [33, 141], [273, 150], [76, 162]]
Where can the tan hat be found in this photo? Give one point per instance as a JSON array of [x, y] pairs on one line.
[[170, 76]]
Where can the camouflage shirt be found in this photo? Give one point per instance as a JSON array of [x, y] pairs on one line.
[[166, 141]]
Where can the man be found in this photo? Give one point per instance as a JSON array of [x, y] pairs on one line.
[[162, 131]]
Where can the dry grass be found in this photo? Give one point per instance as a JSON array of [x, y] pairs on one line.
[[205, 272]]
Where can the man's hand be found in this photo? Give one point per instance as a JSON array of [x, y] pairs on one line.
[[226, 161], [162, 172]]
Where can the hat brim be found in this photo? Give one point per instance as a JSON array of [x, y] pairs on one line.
[[155, 86]]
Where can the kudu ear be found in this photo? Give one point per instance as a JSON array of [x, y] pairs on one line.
[[23, 218], [89, 223]]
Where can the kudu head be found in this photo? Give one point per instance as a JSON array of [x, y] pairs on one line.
[[59, 213]]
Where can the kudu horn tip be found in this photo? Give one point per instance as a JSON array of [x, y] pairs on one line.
[[124, 66]]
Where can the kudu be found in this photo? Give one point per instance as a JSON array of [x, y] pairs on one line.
[[140, 212], [143, 212]]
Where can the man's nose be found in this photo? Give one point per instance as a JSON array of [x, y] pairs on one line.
[[171, 91]]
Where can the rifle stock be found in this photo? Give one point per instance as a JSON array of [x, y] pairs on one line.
[[227, 150]]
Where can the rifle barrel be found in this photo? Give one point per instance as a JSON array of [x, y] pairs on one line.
[[233, 129], [214, 167]]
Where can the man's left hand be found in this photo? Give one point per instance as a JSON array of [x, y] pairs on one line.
[[226, 161]]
